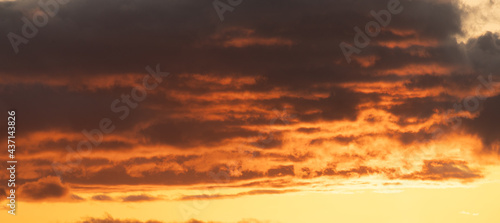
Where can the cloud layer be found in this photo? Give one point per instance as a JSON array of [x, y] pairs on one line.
[[263, 100]]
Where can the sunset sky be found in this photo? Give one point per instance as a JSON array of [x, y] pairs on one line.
[[250, 111]]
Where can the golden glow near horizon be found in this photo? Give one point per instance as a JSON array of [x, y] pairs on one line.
[[469, 204]]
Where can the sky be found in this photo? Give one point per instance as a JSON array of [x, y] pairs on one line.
[[239, 111]]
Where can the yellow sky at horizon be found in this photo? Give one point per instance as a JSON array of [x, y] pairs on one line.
[[460, 205], [476, 203]]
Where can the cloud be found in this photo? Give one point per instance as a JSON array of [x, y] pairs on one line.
[[482, 52], [341, 104], [223, 196], [76, 197], [350, 120], [203, 43], [445, 169], [102, 197], [44, 188], [139, 198], [109, 219], [421, 108], [486, 124], [3, 193], [308, 130], [354, 172], [192, 133], [281, 171]]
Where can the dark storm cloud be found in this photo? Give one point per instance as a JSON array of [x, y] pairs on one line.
[[119, 29], [486, 124], [104, 37], [452, 81], [49, 108], [90, 38], [60, 145], [194, 133], [425, 81], [422, 108], [483, 53], [341, 104]]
